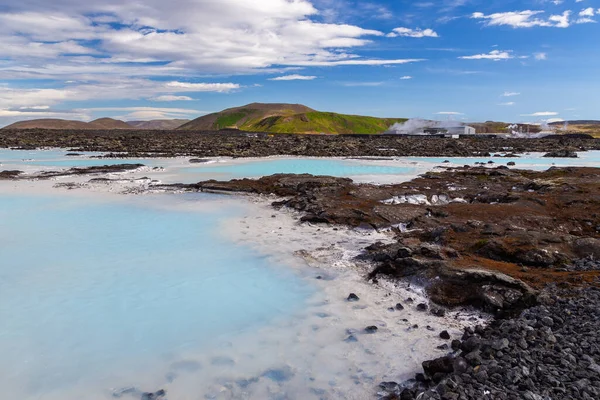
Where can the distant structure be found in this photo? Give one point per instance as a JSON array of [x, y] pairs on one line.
[[421, 127]]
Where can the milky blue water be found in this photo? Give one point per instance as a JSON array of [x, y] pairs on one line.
[[57, 158], [88, 288], [314, 166], [181, 170], [535, 161]]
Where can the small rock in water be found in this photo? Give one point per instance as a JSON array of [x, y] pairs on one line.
[[279, 375], [371, 329], [154, 396], [422, 307], [399, 306], [351, 339], [127, 390], [353, 297], [444, 335]]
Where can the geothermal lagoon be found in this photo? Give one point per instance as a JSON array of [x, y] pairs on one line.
[[205, 296]]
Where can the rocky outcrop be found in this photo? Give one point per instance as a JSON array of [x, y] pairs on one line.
[[488, 237], [10, 175], [565, 153], [103, 169]]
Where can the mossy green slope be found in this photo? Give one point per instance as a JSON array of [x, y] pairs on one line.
[[290, 118]]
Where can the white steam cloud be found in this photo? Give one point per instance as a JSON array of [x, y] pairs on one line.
[[416, 126]]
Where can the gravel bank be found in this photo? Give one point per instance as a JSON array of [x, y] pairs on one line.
[[551, 351]]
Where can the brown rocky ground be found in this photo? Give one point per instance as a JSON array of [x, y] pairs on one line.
[[153, 143], [484, 236]]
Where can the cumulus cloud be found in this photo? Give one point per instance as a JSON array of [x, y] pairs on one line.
[[406, 77], [413, 33], [237, 36], [510, 94], [524, 19], [495, 55], [294, 77], [540, 56], [585, 16]]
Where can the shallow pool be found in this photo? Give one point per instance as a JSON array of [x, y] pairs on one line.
[[94, 294]]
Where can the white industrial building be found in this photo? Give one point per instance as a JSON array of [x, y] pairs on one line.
[[421, 127], [461, 130]]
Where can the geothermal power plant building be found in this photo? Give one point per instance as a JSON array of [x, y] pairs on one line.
[[449, 131]]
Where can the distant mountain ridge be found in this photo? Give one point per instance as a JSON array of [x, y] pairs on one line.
[[98, 124], [289, 118]]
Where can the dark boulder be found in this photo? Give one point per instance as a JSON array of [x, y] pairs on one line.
[[443, 364], [561, 154], [353, 297]]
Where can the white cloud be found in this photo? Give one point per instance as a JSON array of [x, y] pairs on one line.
[[449, 113], [147, 113], [510, 94], [524, 19], [562, 21], [203, 87], [413, 33], [585, 16], [193, 37], [495, 55], [294, 77], [168, 97], [105, 89], [540, 114], [585, 20], [540, 56], [357, 62], [508, 103], [406, 77]]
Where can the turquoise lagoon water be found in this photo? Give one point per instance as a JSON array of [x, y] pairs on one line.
[[316, 166], [527, 161], [179, 169], [90, 289], [57, 158]]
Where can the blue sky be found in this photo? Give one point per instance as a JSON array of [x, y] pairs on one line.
[[471, 60]]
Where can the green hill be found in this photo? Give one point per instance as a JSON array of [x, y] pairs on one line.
[[289, 118]]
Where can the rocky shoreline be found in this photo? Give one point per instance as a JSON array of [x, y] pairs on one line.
[[243, 144], [551, 351]]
